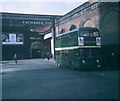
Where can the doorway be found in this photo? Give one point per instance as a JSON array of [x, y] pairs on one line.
[[36, 49]]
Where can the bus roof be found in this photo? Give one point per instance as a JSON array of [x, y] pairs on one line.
[[79, 29], [88, 28]]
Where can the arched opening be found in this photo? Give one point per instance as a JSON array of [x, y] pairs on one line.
[[88, 23], [109, 28], [36, 49], [62, 31], [73, 27]]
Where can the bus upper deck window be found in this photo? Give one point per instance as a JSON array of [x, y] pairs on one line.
[[91, 34], [95, 34], [84, 33]]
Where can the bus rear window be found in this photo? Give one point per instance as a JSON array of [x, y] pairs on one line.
[[95, 34], [84, 33], [87, 33]]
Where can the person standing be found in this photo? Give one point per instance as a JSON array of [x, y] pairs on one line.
[[15, 58], [48, 54]]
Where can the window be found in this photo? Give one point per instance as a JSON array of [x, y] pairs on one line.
[[95, 34], [84, 33]]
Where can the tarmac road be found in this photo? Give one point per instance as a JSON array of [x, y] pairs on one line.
[[42, 79]]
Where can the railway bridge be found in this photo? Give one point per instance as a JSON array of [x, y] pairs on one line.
[[103, 15]]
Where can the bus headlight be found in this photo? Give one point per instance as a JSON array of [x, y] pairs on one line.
[[83, 61], [98, 66], [80, 41], [97, 60], [98, 41]]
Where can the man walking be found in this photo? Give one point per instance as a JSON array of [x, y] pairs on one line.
[[15, 58]]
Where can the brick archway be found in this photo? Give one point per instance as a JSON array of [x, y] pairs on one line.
[[109, 27], [62, 30], [88, 23], [72, 27], [36, 49]]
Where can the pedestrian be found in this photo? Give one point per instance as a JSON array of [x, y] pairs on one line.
[[48, 54], [15, 58]]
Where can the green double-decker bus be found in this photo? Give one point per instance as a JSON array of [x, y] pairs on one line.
[[79, 49]]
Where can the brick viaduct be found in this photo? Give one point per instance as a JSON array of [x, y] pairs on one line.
[[103, 15]]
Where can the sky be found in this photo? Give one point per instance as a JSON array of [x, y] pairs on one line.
[[47, 7]]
